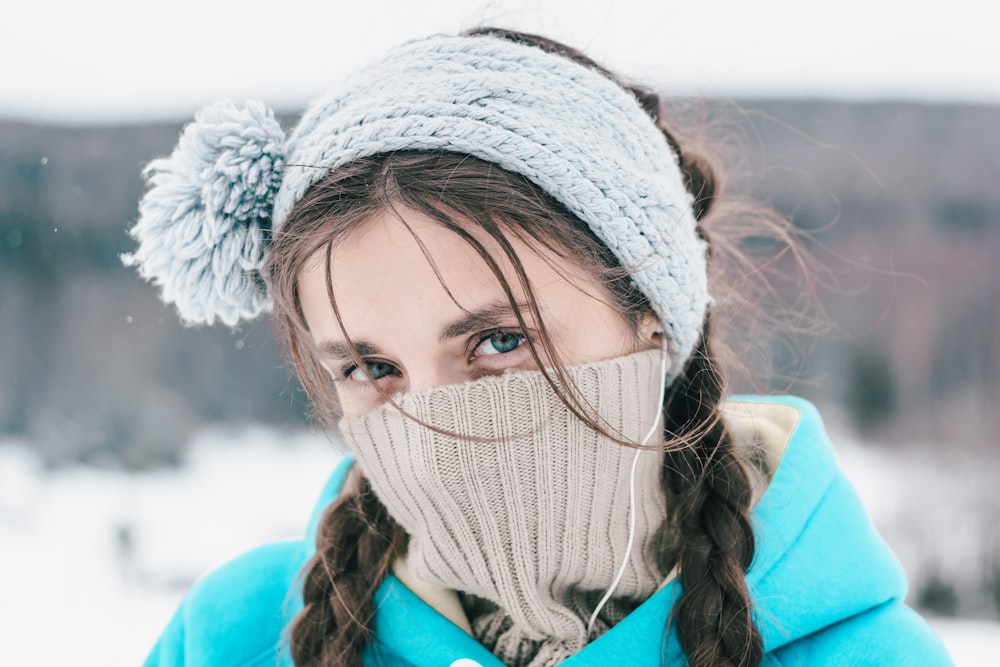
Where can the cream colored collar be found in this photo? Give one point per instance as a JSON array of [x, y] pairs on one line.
[[762, 432]]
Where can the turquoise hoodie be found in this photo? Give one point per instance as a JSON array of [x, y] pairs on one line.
[[826, 589]]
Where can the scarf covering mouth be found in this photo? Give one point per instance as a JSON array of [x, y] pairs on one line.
[[534, 516]]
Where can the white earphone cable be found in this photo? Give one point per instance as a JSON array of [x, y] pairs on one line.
[[631, 492]]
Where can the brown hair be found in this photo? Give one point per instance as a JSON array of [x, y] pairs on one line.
[[708, 489]]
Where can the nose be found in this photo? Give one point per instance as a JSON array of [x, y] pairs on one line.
[[422, 377]]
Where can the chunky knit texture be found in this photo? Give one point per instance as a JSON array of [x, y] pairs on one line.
[[205, 222], [536, 520], [570, 130]]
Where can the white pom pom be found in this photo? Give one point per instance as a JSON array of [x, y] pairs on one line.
[[205, 222]]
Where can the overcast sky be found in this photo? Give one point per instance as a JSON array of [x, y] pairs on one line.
[[105, 60]]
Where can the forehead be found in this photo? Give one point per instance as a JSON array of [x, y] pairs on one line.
[[402, 269], [396, 265], [401, 250]]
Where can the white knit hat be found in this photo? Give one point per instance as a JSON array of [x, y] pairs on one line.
[[206, 220]]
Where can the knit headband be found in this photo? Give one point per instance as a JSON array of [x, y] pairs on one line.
[[212, 206]]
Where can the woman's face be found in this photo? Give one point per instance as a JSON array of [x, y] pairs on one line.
[[414, 336]]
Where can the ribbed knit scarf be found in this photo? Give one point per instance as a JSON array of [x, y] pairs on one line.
[[528, 509]]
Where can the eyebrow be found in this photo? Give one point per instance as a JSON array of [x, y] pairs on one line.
[[335, 349], [490, 315]]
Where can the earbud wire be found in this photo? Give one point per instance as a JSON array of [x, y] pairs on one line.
[[631, 492]]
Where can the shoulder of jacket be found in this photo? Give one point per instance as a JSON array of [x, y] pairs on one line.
[[265, 571], [235, 614], [888, 635], [331, 490]]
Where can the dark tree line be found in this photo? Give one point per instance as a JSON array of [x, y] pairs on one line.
[[93, 368]]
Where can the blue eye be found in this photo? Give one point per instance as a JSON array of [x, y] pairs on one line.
[[500, 343], [373, 370]]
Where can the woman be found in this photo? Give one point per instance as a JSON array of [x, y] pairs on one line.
[[488, 264]]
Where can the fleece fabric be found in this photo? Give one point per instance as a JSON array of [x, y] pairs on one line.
[[826, 589]]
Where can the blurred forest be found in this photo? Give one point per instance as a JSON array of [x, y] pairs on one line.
[[94, 369]]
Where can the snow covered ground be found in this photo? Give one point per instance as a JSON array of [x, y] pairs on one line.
[[93, 563]]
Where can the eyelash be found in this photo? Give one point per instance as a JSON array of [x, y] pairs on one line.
[[346, 370]]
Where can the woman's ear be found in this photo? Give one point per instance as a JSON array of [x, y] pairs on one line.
[[651, 330]]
